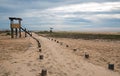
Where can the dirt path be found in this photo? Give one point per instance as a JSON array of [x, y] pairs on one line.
[[58, 60]]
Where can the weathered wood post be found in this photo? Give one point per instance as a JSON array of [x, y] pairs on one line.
[[41, 57], [67, 46], [12, 31], [16, 32], [44, 72], [74, 49], [86, 55], [111, 66], [39, 45], [25, 33], [40, 50], [57, 41], [20, 28]]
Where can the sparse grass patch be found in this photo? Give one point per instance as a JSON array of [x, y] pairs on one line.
[[8, 33], [5, 32], [76, 35]]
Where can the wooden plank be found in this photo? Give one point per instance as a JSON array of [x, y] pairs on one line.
[[15, 25]]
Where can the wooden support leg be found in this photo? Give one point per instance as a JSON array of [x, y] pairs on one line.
[[16, 32], [25, 33], [19, 32], [12, 36]]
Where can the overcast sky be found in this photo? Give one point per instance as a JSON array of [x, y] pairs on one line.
[[63, 15]]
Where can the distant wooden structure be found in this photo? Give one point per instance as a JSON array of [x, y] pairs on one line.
[[51, 30], [15, 27]]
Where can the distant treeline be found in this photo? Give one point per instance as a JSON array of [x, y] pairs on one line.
[[76, 35]]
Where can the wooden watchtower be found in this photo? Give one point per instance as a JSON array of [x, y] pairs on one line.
[[15, 27]]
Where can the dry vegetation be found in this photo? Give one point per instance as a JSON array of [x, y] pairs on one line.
[[82, 35]]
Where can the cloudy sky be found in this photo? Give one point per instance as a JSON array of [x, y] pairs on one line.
[[63, 15]]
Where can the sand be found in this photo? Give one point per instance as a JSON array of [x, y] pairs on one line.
[[58, 60], [102, 52]]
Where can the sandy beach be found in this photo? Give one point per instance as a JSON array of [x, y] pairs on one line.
[[20, 57]]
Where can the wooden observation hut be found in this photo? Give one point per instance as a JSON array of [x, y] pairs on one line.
[[15, 27]]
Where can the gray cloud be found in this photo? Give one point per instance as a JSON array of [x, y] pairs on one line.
[[42, 14]]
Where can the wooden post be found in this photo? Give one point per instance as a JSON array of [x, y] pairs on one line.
[[40, 49], [67, 46], [20, 32], [111, 66], [86, 55], [12, 34], [16, 33], [41, 57], [25, 33], [44, 72], [39, 45], [20, 29], [74, 49]]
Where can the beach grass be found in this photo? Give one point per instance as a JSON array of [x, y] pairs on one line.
[[81, 35]]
